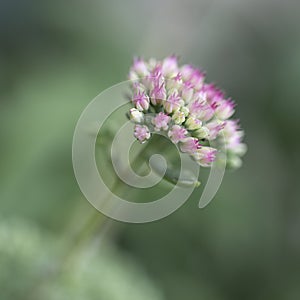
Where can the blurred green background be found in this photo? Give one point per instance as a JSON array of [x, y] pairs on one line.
[[55, 56]]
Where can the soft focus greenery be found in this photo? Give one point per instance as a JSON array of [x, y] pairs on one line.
[[55, 56], [31, 269]]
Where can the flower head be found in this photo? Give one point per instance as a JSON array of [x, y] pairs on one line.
[[186, 108]]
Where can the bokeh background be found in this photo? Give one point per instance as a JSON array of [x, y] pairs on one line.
[[55, 56]]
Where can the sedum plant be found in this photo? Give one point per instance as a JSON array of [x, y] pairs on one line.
[[176, 101]]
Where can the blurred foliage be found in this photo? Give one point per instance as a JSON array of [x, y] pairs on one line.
[[55, 56], [31, 268]]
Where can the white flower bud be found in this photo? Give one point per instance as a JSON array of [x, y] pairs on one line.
[[136, 116]]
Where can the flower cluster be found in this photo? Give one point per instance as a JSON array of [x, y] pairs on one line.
[[177, 101]]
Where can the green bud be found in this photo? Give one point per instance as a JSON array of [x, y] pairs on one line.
[[185, 110], [178, 117], [201, 133], [193, 123]]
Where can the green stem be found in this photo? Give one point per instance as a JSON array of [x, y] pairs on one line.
[[96, 218]]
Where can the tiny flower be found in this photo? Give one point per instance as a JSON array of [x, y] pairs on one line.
[[177, 133], [178, 117], [141, 101], [133, 76], [190, 145], [186, 72], [202, 110], [136, 116], [233, 136], [192, 75], [212, 92], [174, 83], [192, 123], [197, 79], [214, 129], [225, 109], [201, 133], [139, 87], [187, 92], [157, 71], [173, 103], [199, 96], [140, 67], [197, 108], [231, 128], [160, 121], [207, 114], [185, 110], [158, 94], [141, 132], [170, 66], [152, 63], [205, 156]]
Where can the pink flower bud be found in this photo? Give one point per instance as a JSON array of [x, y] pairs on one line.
[[197, 79], [158, 93], [212, 92], [187, 92], [214, 128], [141, 100], [225, 109], [170, 66], [177, 133], [140, 67], [186, 72], [190, 145], [197, 107], [141, 132], [205, 156], [160, 121], [173, 103], [233, 136], [205, 113]]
